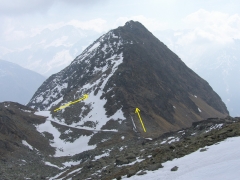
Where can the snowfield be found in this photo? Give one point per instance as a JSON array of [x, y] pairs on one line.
[[218, 162], [63, 148]]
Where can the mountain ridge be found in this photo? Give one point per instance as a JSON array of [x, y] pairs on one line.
[[123, 69]]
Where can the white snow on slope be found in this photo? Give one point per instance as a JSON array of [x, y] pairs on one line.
[[51, 94], [102, 155], [56, 102], [94, 46], [26, 144], [63, 148], [98, 112], [219, 162], [50, 164]]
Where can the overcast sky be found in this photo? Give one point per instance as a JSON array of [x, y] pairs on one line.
[[214, 21], [20, 18], [46, 35]]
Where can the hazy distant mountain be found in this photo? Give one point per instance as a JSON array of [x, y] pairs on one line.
[[49, 51], [16, 83], [221, 68]]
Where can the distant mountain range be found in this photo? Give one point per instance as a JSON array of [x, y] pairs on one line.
[[50, 51], [16, 83]]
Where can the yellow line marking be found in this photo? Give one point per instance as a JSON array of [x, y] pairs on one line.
[[137, 111], [85, 96]]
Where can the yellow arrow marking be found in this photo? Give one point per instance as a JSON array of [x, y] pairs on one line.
[[85, 96], [137, 111]]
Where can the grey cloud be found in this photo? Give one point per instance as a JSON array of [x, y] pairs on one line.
[[85, 2], [19, 7], [16, 7]]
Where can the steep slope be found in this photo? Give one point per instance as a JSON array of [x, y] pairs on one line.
[[17, 84], [127, 68], [217, 63]]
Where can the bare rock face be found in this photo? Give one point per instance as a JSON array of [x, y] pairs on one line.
[[128, 67]]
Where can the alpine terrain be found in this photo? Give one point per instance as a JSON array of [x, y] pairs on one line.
[[83, 122], [17, 83], [124, 69]]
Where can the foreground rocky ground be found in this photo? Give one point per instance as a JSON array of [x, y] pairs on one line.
[[138, 155], [125, 157]]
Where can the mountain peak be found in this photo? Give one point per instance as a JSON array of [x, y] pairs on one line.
[[128, 67], [134, 24]]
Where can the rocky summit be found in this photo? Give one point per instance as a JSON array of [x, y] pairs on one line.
[[125, 69]]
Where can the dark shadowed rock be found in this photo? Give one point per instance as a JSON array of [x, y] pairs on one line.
[[154, 167], [175, 168]]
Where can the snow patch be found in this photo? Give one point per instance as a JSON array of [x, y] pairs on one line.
[[216, 126], [98, 112], [102, 155], [55, 102], [76, 170], [114, 36], [94, 46], [149, 139], [63, 148], [132, 163], [50, 164], [26, 144], [220, 161], [71, 163]]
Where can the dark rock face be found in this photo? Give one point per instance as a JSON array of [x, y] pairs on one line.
[[127, 68], [154, 79]]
